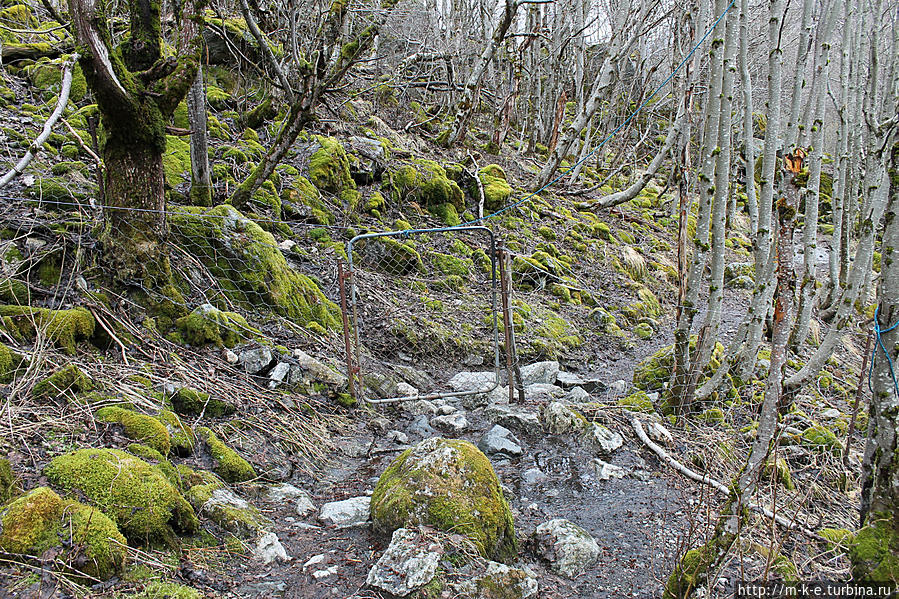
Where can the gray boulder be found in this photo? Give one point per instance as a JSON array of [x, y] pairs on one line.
[[500, 580], [308, 370], [603, 439], [539, 392], [577, 395], [559, 419], [472, 381], [349, 512], [255, 360], [409, 563], [513, 417], [500, 441], [568, 548], [269, 549], [450, 423], [540, 372]]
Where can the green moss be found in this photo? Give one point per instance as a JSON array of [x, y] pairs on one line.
[[780, 471], [451, 265], [207, 324], [822, 439], [450, 485], [390, 256], [497, 190], [447, 214], [643, 330], [153, 457], [10, 363], [427, 183], [67, 379], [9, 482], [837, 538], [176, 160], [158, 589], [140, 427], [711, 416], [134, 494], [227, 463], [637, 402], [63, 327], [874, 552], [329, 170], [302, 201], [249, 265], [42, 520], [191, 402], [652, 373], [181, 435], [46, 75]]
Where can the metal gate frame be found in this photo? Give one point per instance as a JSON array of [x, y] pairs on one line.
[[354, 374]]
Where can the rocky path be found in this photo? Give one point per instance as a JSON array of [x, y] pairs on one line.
[[600, 479]]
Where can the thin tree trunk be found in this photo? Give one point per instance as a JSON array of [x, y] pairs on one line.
[[200, 176]]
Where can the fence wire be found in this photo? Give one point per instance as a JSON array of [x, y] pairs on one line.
[[423, 299]]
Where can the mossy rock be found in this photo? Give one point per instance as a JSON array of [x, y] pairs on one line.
[[67, 379], [46, 75], [874, 552], [146, 507], [819, 438], [451, 265], [159, 589], [643, 331], [497, 190], [329, 170], [9, 482], [450, 485], [302, 201], [226, 462], [637, 402], [140, 427], [182, 437], [41, 520], [63, 327], [190, 402], [427, 183], [156, 459], [652, 373], [249, 266], [207, 324], [390, 256], [225, 508], [10, 363]]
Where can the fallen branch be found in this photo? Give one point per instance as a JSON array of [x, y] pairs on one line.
[[717, 485], [35, 146]]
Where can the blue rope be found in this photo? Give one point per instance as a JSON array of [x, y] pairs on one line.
[[878, 331], [617, 129]]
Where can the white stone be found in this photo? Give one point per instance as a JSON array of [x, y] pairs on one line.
[[539, 392], [407, 564], [420, 407], [404, 389], [568, 548], [319, 574], [231, 357], [605, 471], [349, 512], [255, 359], [618, 387], [513, 418], [603, 439], [472, 381], [830, 414], [316, 370], [450, 423], [287, 245], [500, 441], [278, 374], [577, 395], [284, 491], [659, 433], [269, 549], [559, 419], [540, 372], [314, 561]]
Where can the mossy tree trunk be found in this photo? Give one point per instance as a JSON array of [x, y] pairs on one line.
[[137, 91], [875, 551]]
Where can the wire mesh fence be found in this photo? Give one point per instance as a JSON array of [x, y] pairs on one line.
[[422, 299]]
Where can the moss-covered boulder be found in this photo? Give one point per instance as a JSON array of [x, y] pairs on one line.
[[450, 485], [146, 507], [427, 183], [329, 170], [390, 256], [652, 373], [301, 200], [249, 266], [68, 379], [89, 541], [181, 435], [45, 74], [63, 327], [190, 402], [140, 427], [227, 463], [207, 324], [10, 361], [215, 501], [497, 190]]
